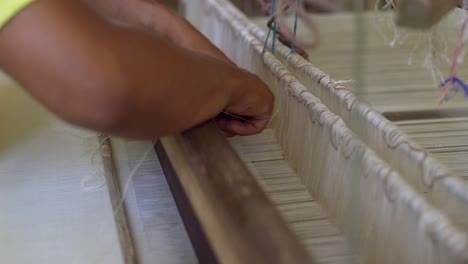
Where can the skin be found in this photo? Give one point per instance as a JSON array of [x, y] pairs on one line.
[[128, 81]]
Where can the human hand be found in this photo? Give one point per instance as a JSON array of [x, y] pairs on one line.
[[249, 110], [165, 89]]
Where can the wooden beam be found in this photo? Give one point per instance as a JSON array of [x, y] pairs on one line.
[[239, 222], [124, 233], [194, 230], [395, 116]]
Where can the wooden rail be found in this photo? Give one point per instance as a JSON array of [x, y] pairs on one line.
[[235, 219], [124, 233], [395, 116]]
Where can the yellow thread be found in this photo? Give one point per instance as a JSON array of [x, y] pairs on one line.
[[9, 9]]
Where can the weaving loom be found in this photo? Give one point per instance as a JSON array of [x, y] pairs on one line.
[[374, 175]]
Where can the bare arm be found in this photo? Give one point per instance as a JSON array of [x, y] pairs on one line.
[[121, 81], [156, 18]]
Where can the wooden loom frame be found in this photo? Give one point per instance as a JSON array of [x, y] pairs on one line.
[[227, 215]]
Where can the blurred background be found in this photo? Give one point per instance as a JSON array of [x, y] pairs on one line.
[[251, 7]]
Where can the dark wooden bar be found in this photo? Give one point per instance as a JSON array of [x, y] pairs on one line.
[[425, 114], [194, 230], [235, 216]]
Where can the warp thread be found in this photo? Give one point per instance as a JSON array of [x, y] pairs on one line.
[[285, 35]]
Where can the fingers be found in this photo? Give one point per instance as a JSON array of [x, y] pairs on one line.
[[232, 127], [250, 113], [229, 134]]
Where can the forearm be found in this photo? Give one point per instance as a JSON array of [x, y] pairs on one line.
[[175, 90], [156, 18], [120, 81], [138, 13]]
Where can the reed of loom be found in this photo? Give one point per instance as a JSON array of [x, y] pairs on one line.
[[428, 232], [422, 171]]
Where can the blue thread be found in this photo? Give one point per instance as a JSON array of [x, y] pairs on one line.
[[455, 80], [275, 28], [293, 44], [266, 42]]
